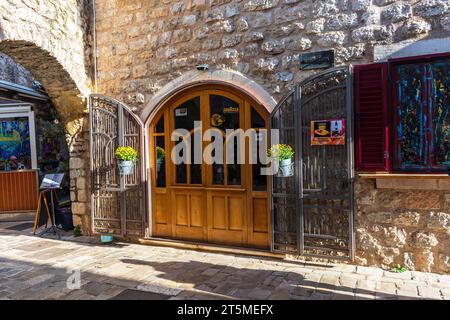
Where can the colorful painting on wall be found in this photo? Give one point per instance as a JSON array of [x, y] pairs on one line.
[[423, 116], [15, 147], [328, 132]]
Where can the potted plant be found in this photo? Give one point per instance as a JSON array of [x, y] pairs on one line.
[[160, 154], [283, 155], [127, 157]]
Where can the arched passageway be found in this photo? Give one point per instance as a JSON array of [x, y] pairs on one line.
[[51, 40]]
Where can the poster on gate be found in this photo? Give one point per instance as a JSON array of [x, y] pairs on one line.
[[328, 132]]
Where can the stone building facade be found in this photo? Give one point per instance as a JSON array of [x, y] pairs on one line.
[[142, 45]]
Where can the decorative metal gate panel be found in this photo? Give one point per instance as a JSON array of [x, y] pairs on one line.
[[118, 202], [312, 212]]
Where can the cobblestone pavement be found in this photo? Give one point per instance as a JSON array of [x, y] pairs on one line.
[[39, 268]]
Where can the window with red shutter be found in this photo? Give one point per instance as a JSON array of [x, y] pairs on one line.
[[372, 117]]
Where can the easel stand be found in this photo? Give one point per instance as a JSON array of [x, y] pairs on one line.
[[51, 215]]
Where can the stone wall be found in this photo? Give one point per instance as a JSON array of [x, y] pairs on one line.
[[142, 45], [404, 222], [13, 72]]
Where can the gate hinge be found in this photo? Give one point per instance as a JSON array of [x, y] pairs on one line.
[[386, 154]]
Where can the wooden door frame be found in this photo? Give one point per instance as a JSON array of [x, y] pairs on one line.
[[203, 90]]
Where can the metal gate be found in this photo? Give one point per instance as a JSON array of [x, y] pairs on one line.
[[118, 202], [312, 211]]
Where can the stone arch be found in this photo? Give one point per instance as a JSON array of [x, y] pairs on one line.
[[57, 82], [50, 41], [194, 78]]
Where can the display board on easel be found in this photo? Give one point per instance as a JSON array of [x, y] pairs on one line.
[[46, 211]]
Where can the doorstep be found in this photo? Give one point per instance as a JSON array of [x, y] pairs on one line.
[[180, 244]]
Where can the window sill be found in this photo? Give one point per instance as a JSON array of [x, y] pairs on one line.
[[412, 181]]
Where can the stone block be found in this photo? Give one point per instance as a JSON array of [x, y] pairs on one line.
[[76, 163], [407, 184], [82, 195], [420, 200], [79, 208], [81, 183]]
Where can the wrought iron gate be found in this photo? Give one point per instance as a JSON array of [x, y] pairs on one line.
[[118, 202], [312, 211]]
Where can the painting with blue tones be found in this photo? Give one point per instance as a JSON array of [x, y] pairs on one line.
[[15, 141], [422, 116]]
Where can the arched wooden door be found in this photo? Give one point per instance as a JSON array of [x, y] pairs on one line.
[[208, 202]]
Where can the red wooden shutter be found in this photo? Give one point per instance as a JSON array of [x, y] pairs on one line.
[[372, 117]]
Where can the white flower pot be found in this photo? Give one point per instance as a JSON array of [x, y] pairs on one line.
[[126, 167], [286, 168]]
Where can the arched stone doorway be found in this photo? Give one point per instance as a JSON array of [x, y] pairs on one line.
[[224, 204]]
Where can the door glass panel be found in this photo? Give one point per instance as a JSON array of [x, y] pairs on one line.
[[160, 156], [256, 120], [184, 116], [187, 113], [234, 170], [159, 128], [218, 174], [181, 173], [225, 114], [259, 182], [195, 169]]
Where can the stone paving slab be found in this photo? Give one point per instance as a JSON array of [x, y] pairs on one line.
[[42, 268]]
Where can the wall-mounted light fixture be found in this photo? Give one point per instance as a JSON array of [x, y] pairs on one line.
[[202, 67]]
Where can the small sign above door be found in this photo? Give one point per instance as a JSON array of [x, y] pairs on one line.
[[328, 132], [181, 112], [317, 60]]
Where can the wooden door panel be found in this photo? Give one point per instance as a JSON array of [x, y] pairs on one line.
[[196, 210], [260, 216], [259, 222], [181, 210], [236, 212], [227, 217], [218, 212], [161, 214], [188, 213]]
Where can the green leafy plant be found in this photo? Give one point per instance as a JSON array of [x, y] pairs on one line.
[[399, 269], [160, 153], [126, 154], [281, 152], [77, 231]]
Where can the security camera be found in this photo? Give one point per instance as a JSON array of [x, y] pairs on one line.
[[202, 67]]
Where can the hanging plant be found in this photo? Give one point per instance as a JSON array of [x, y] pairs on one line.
[[283, 155], [127, 157]]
